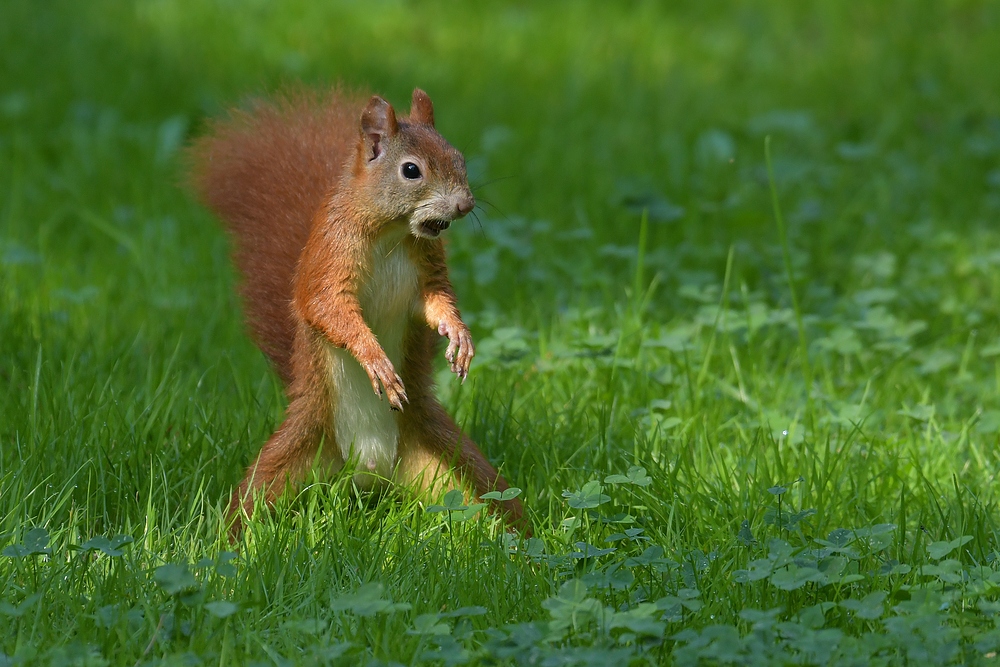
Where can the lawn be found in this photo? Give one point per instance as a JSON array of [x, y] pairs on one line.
[[735, 286]]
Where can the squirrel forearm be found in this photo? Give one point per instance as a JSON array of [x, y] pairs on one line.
[[326, 295], [343, 326], [340, 321], [439, 301], [440, 308], [327, 301]]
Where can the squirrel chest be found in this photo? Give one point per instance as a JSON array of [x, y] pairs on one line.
[[365, 426]]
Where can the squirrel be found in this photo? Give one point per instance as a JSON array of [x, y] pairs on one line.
[[336, 207]]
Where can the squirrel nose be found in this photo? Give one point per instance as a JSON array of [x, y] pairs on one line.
[[465, 205]]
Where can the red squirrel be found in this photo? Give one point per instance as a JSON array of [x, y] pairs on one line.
[[336, 208]]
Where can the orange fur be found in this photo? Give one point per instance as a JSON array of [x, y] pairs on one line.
[[344, 282]]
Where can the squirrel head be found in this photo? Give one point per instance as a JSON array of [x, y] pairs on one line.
[[407, 171]]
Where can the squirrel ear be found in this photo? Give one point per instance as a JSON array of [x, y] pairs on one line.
[[421, 109], [378, 122]]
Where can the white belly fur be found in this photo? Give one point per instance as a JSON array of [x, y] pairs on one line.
[[366, 429]]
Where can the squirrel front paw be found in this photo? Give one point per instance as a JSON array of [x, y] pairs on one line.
[[382, 374], [460, 349]]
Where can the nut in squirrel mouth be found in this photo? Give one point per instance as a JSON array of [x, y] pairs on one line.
[[433, 228]]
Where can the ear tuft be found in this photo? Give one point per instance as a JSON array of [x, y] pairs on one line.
[[421, 109], [378, 123]]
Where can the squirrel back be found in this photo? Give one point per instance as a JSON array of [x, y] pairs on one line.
[[264, 173]]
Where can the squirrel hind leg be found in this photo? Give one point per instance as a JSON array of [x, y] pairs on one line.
[[284, 461], [436, 457]]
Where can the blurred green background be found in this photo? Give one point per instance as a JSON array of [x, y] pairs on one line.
[[131, 399], [577, 115]]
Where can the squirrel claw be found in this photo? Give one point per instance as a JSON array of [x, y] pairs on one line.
[[460, 349], [386, 382]]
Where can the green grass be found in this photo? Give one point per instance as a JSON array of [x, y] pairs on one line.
[[788, 437]]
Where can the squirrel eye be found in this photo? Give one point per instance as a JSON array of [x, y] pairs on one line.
[[411, 171]]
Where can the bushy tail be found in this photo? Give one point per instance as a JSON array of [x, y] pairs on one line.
[[265, 172]]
